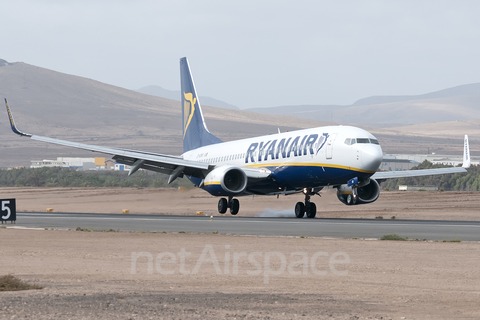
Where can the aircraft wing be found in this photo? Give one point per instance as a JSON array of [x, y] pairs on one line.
[[383, 175], [171, 165]]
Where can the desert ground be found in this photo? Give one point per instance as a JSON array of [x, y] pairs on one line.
[[89, 275], [125, 275]]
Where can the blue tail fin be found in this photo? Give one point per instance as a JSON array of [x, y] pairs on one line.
[[195, 132]]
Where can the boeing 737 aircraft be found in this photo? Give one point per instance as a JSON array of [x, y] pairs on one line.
[[342, 157]]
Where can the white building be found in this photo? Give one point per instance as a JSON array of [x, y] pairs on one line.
[[121, 167], [416, 159], [48, 164], [76, 162], [97, 163]]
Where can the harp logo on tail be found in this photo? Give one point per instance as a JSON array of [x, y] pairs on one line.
[[188, 110]]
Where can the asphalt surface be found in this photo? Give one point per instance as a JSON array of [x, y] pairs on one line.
[[338, 228]]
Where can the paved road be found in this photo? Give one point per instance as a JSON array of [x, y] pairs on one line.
[[341, 228]]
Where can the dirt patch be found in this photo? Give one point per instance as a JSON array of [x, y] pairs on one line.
[[90, 275]]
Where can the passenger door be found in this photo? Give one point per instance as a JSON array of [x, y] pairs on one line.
[[329, 149]]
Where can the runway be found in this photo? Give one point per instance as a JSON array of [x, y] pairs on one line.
[[237, 225]]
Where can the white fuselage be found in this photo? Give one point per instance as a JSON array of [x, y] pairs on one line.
[[312, 157]]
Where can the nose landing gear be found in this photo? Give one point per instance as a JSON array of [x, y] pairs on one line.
[[309, 208], [233, 204]]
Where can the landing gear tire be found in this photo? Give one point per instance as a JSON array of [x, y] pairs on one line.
[[299, 210], [311, 210], [349, 199], [223, 205], [234, 206]]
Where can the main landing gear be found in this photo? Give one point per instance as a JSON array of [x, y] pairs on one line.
[[352, 197], [308, 208], [233, 204]]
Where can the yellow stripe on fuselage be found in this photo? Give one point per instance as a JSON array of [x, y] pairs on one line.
[[301, 164]]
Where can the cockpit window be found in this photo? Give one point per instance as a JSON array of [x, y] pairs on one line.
[[350, 141]]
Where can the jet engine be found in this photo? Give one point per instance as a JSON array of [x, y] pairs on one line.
[[225, 180], [367, 192]]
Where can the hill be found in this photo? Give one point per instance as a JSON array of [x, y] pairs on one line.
[[175, 95], [63, 106], [458, 91], [458, 103], [439, 129]]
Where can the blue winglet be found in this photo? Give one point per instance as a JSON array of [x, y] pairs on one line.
[[12, 123]]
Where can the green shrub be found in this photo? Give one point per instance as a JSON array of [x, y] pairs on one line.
[[10, 283], [452, 240], [67, 177], [394, 237]]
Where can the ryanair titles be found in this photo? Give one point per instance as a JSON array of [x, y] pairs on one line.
[[286, 147]]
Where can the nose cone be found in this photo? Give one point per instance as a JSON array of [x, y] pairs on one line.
[[372, 157]]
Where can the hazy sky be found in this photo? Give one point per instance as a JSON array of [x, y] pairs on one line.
[[253, 53]]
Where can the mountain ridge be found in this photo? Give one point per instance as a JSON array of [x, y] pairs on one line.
[[456, 103], [68, 107], [158, 91]]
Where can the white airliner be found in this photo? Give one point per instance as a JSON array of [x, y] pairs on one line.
[[342, 157]]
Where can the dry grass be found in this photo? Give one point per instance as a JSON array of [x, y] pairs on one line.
[[394, 237], [11, 283]]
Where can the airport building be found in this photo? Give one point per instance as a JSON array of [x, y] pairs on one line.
[[392, 163], [97, 163], [48, 164], [396, 162]]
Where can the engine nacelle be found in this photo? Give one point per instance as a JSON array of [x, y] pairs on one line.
[[225, 181], [367, 193]]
